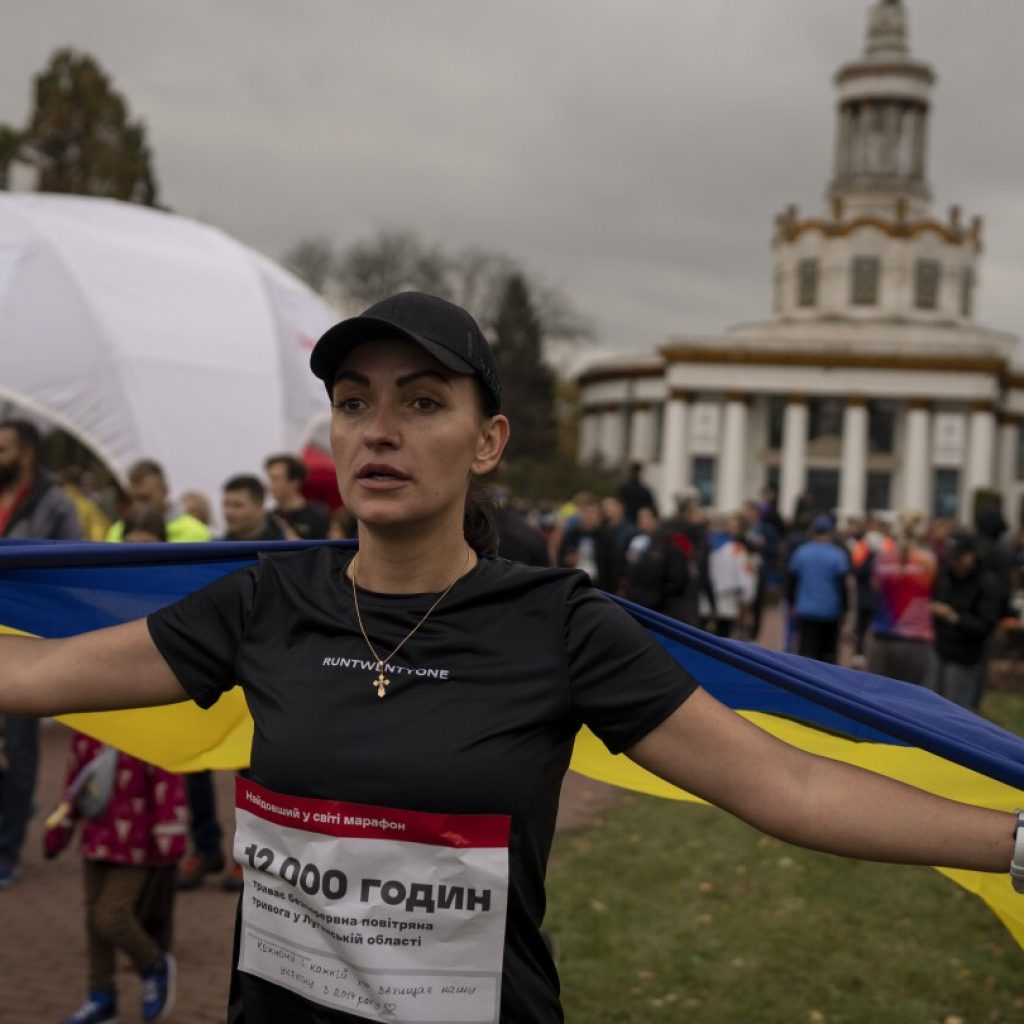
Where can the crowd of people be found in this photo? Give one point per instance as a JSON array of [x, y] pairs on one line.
[[904, 597], [135, 844]]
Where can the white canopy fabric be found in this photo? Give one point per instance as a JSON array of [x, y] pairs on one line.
[[150, 335]]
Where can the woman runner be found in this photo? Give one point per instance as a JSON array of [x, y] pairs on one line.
[[415, 707]]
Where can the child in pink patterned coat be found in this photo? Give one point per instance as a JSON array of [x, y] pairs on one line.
[[134, 826]]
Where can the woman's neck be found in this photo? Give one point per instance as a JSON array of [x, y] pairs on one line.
[[419, 564]]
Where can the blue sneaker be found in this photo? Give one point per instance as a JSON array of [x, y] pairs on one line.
[[8, 872], [158, 989], [99, 1008]]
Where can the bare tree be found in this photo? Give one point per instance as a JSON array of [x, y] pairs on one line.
[[312, 260], [398, 260], [391, 261]]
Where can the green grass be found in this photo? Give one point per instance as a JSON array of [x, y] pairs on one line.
[[676, 912]]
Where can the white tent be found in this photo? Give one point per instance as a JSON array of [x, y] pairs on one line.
[[147, 334]]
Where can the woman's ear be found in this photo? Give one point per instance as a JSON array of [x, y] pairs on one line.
[[491, 444]]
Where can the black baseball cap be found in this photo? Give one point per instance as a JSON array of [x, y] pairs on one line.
[[445, 330]]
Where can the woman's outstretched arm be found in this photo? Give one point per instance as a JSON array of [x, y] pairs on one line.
[[119, 667], [816, 802]]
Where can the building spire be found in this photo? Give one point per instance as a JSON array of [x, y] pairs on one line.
[[883, 112], [887, 31]]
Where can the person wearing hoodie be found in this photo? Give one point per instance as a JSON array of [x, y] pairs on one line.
[[147, 485], [995, 552], [865, 548], [32, 505], [965, 610], [904, 579], [733, 571], [655, 571], [133, 829]]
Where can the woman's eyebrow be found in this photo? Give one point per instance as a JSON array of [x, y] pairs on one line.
[[436, 374], [358, 378], [409, 378]]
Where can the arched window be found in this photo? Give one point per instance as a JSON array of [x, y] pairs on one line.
[[807, 282], [926, 284], [864, 274]]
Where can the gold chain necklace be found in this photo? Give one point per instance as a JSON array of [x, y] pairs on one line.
[[382, 682]]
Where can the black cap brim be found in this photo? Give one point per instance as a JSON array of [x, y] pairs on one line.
[[340, 339]]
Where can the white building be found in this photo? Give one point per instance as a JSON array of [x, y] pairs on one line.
[[871, 386]]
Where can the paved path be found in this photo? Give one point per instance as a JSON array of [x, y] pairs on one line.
[[42, 941]]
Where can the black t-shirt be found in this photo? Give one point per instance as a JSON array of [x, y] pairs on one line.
[[310, 522], [521, 657]]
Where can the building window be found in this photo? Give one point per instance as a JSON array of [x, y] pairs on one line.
[[881, 427], [773, 478], [776, 416], [703, 477], [879, 491], [926, 284], [658, 415], [825, 418], [807, 282], [1020, 450], [966, 291], [946, 503], [627, 432], [864, 273]]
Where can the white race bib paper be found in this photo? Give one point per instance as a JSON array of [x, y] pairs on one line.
[[386, 914]]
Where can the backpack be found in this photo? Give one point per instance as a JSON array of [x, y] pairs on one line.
[[91, 789]]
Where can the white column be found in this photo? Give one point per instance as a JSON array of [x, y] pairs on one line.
[[732, 461], [641, 448], [793, 477], [612, 441], [917, 463], [854, 470], [1006, 478], [981, 452], [590, 426], [675, 449]]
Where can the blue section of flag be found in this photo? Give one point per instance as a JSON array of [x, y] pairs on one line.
[[56, 589], [857, 704]]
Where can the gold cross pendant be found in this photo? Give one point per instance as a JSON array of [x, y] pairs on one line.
[[381, 682]]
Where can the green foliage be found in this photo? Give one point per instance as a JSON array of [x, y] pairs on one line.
[[674, 912], [10, 140], [555, 478], [80, 138], [528, 383]]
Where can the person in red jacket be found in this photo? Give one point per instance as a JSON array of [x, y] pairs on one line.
[[134, 825]]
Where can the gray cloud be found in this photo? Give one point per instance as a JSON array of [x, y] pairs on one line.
[[632, 154]]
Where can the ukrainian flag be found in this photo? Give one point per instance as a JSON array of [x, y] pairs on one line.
[[899, 730]]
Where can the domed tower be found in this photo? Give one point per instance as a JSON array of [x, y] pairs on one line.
[[878, 253], [870, 387]]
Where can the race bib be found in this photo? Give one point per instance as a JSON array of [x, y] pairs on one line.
[[386, 914]]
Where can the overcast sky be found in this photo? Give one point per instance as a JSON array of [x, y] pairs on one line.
[[631, 152]]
